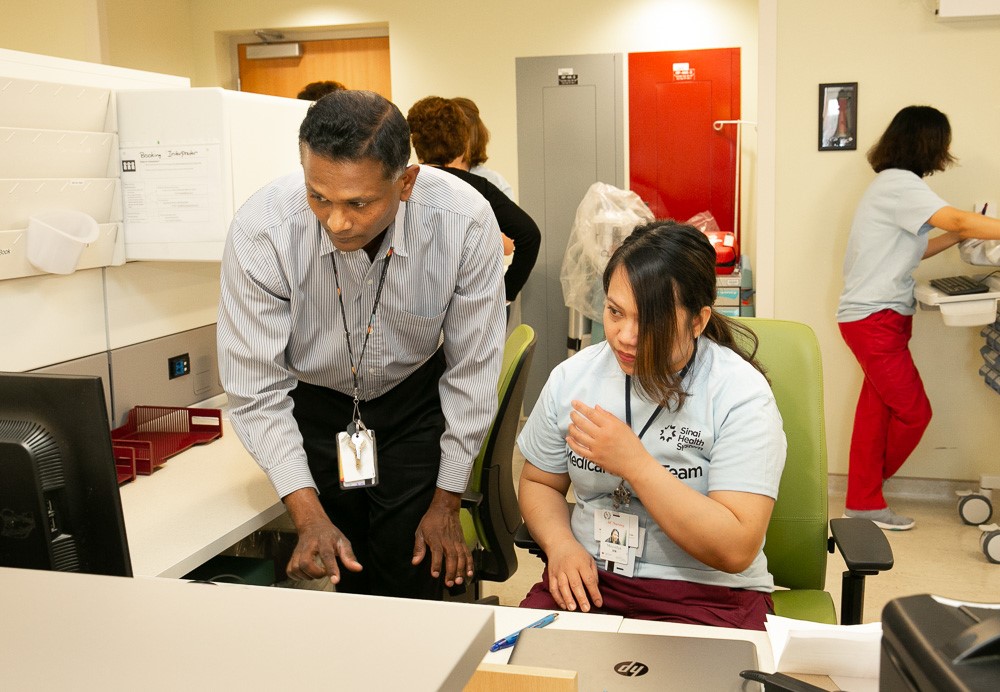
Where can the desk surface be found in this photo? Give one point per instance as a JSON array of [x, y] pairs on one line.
[[79, 631], [196, 505]]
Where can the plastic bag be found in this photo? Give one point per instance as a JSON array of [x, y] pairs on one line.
[[727, 248], [604, 218], [980, 252]]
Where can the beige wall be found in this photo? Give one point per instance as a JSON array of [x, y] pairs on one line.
[[60, 28], [153, 35], [897, 51], [900, 55]]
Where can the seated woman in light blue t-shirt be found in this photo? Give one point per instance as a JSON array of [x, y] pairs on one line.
[[671, 439]]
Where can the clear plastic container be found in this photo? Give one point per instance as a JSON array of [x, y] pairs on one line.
[[56, 239]]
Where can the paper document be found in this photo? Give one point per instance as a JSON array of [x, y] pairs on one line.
[[800, 646]]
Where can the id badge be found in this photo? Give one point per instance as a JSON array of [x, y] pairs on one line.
[[617, 533], [357, 458]]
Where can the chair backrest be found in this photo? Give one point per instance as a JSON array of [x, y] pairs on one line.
[[796, 545], [498, 517]]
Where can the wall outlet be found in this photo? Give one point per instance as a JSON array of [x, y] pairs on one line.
[[138, 377]]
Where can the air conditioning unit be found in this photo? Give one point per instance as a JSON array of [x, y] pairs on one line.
[[967, 9]]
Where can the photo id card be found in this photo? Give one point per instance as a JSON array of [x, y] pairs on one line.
[[627, 568], [617, 534], [357, 459]]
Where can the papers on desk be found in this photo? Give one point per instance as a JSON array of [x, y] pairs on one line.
[[835, 650]]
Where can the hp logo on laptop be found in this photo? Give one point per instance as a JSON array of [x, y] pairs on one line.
[[631, 669]]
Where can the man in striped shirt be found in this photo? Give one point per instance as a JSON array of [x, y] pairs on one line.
[[363, 288]]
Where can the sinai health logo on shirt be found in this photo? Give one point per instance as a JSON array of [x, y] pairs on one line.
[[686, 437]]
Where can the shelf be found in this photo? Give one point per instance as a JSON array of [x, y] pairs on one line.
[[21, 198], [108, 250], [34, 153], [27, 103]]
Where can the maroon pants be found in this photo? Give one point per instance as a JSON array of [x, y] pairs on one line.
[[893, 410], [668, 601]]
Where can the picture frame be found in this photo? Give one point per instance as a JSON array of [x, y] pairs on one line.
[[838, 116]]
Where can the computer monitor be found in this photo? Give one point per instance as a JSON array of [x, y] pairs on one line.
[[60, 508]]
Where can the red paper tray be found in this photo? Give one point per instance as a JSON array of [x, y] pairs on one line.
[[153, 434]]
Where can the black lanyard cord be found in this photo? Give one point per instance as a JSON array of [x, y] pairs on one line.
[[371, 320], [628, 394]]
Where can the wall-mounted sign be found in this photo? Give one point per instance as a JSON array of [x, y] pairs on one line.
[[568, 76], [683, 72]]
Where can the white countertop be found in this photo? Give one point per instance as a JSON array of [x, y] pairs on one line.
[[196, 505]]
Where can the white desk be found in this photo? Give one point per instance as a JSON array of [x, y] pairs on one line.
[[196, 505], [85, 632]]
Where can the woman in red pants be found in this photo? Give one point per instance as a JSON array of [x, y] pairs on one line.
[[889, 237]]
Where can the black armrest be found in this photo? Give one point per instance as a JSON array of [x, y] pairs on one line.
[[471, 498], [866, 551], [523, 539], [863, 545]]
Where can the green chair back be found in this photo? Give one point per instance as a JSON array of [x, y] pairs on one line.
[[490, 526], [796, 544]]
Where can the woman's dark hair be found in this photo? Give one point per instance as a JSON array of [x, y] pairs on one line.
[[354, 125], [479, 136], [916, 140], [671, 265], [439, 129]]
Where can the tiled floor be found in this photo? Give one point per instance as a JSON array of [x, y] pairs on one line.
[[941, 555]]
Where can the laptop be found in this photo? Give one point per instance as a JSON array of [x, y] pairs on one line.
[[612, 661]]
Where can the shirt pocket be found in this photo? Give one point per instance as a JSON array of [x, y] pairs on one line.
[[411, 338]]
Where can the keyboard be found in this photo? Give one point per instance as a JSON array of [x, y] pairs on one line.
[[959, 285]]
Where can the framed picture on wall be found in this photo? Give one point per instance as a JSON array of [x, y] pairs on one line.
[[838, 116]]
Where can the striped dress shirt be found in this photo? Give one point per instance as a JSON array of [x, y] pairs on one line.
[[280, 321]]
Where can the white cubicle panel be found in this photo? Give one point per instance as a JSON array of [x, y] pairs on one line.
[[147, 300], [50, 319], [68, 631], [191, 157]]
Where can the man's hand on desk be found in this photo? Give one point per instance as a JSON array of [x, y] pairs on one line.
[[320, 544], [441, 531]]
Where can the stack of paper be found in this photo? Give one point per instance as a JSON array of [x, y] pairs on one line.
[[840, 651]]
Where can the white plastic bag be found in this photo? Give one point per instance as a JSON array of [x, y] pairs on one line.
[[981, 252], [605, 217]]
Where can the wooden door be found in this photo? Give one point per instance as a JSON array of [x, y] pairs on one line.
[[679, 164], [357, 63]]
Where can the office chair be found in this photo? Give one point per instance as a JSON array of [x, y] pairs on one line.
[[797, 543], [797, 537], [490, 514]]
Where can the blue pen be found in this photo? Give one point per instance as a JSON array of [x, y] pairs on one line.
[[511, 639]]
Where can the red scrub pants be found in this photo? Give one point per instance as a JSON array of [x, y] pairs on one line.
[[893, 410]]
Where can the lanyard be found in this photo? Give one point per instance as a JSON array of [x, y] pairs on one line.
[[628, 408], [371, 320], [621, 494]]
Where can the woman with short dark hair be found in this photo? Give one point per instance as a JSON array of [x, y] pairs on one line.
[[889, 237]]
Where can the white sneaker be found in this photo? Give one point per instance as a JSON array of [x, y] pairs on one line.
[[882, 518]]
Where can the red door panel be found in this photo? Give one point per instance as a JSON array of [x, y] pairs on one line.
[[679, 164]]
